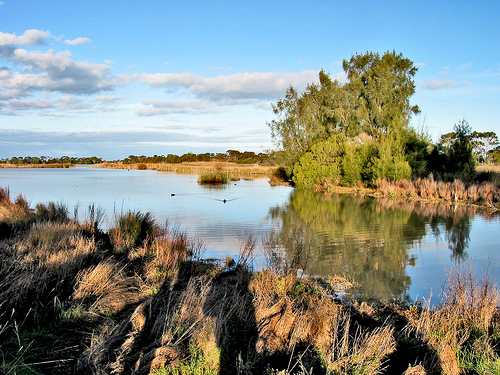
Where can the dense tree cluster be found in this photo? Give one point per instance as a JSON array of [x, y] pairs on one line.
[[246, 157], [358, 132], [49, 160]]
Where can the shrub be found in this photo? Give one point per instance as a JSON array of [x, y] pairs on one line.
[[321, 163], [390, 163], [215, 177], [132, 229]]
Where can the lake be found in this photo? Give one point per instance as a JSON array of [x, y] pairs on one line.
[[393, 249]]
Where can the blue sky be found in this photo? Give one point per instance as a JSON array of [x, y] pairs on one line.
[[114, 78]]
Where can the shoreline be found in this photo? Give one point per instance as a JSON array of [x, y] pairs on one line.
[[21, 166]]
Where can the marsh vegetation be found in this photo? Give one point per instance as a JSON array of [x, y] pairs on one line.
[[140, 298]]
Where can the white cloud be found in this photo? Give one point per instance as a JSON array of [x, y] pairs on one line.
[[255, 85], [419, 65], [30, 37], [54, 72], [108, 98], [192, 107], [77, 41], [433, 84]]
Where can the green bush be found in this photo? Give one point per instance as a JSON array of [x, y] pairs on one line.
[[390, 163], [322, 163]]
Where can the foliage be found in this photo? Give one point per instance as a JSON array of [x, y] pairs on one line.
[[321, 163], [461, 151], [390, 163], [382, 86], [246, 157], [375, 102], [48, 160], [484, 143]]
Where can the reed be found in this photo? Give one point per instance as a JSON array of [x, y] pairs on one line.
[[214, 178], [485, 193]]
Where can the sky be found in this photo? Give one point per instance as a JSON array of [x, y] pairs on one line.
[[129, 77]]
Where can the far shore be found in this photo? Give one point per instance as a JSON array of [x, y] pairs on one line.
[[55, 165]]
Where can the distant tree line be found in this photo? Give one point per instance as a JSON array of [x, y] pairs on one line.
[[49, 160], [246, 157], [360, 132]]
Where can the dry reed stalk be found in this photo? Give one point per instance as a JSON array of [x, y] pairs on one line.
[[415, 370], [444, 190], [488, 191], [459, 190], [108, 287], [467, 306], [473, 193]]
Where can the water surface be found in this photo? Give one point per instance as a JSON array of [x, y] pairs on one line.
[[393, 249]]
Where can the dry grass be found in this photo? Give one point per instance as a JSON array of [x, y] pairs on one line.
[[488, 168], [234, 170], [464, 319], [486, 193]]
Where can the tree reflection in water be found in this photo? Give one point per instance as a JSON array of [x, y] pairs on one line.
[[367, 239]]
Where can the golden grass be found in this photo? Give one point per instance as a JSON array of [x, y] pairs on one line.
[[233, 169], [488, 168], [486, 193]]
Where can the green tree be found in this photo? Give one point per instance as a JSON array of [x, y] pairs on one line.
[[461, 151], [483, 143], [375, 101], [321, 164], [383, 87]]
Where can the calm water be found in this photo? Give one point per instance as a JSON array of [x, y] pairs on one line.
[[394, 250]]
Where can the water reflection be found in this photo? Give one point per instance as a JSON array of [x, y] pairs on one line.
[[368, 239]]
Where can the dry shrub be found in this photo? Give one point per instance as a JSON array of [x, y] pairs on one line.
[[44, 263], [13, 211], [466, 311], [169, 248], [107, 287], [473, 193], [385, 187], [459, 190], [487, 192], [408, 188], [445, 190], [291, 311]]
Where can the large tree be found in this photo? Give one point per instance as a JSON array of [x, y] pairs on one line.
[[375, 101], [483, 143], [382, 87]]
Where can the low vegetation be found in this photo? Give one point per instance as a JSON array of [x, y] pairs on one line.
[[140, 299]]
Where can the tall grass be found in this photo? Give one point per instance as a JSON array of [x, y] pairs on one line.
[[485, 193]]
